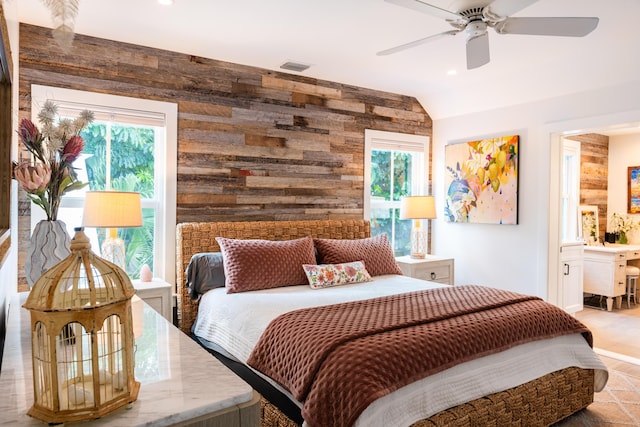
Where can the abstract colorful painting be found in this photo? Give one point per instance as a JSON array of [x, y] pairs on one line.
[[633, 190], [481, 181]]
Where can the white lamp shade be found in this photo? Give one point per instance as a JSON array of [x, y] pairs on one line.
[[112, 209], [417, 207]]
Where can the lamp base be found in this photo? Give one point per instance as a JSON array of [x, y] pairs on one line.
[[418, 241], [113, 250]]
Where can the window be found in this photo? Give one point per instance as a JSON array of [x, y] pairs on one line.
[[130, 146], [396, 165], [570, 197]]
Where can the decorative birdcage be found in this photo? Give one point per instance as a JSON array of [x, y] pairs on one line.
[[82, 338]]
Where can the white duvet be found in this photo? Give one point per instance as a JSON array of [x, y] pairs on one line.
[[236, 321]]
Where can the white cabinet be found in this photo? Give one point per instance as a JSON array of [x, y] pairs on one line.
[[570, 296], [605, 272], [158, 294], [633, 253], [432, 268]]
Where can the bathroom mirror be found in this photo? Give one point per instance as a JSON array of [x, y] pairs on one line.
[[588, 223]]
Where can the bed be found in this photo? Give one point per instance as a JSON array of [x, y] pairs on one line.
[[543, 394]]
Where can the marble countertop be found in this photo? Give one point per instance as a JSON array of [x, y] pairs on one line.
[[179, 380], [621, 246], [613, 248]]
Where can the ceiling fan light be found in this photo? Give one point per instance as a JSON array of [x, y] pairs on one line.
[[475, 29]]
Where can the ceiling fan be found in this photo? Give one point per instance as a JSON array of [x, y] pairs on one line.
[[475, 16]]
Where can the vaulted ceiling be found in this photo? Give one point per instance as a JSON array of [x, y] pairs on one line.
[[340, 38]]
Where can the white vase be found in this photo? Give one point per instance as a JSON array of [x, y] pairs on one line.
[[48, 246]]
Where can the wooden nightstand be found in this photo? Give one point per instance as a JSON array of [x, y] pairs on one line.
[[158, 294], [432, 268]]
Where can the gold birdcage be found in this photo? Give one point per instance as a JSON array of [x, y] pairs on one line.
[[82, 338]]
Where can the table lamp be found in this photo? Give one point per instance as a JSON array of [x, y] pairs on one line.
[[418, 208], [112, 210]]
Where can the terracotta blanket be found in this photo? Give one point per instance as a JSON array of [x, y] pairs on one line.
[[338, 359]]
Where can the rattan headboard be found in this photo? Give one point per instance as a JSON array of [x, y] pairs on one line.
[[195, 237]]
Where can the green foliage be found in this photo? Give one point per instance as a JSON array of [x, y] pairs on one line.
[[132, 151], [389, 182], [388, 221], [381, 174]]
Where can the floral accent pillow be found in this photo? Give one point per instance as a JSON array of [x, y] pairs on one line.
[[328, 275]]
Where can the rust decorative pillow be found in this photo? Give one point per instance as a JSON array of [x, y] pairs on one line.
[[375, 252], [328, 275], [250, 265]]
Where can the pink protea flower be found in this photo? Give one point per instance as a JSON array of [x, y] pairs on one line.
[[33, 179], [28, 131], [53, 175], [73, 148]]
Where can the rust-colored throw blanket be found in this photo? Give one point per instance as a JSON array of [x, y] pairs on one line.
[[338, 359]]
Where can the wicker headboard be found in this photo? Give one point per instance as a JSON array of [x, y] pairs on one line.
[[195, 237]]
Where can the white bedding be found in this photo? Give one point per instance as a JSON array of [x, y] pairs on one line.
[[236, 321]]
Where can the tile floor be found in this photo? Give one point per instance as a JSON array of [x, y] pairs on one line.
[[617, 405], [616, 331], [616, 337]]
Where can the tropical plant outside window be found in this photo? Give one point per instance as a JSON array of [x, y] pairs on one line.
[[390, 180], [121, 157], [397, 169]]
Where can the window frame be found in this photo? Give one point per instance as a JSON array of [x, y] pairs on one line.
[[571, 227], [165, 170], [384, 140], [7, 189]]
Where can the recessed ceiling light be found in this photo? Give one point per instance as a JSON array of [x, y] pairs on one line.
[[452, 72], [165, 2]]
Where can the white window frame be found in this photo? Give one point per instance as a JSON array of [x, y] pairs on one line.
[[165, 164], [570, 191], [383, 140]]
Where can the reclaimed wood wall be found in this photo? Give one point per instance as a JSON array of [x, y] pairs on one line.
[[594, 174], [253, 144]]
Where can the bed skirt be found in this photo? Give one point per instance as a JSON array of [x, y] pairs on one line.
[[541, 402]]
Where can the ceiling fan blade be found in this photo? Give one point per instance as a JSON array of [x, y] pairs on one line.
[[568, 27], [427, 8], [477, 51], [508, 7], [417, 43]]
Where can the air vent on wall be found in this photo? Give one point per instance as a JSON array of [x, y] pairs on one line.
[[294, 66]]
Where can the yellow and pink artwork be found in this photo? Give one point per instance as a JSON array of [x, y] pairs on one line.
[[482, 181], [633, 190]]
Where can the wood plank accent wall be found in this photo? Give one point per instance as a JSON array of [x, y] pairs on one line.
[[253, 144], [594, 174]]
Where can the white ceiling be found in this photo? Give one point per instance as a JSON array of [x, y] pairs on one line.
[[340, 38]]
